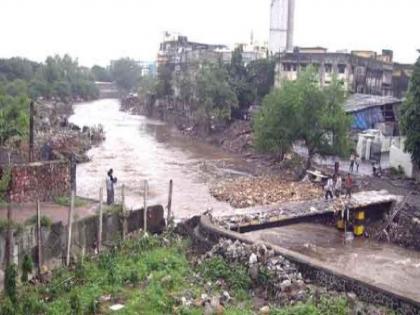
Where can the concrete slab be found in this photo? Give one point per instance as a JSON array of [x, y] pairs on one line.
[[386, 266]]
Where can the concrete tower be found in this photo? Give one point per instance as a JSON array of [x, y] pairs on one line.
[[281, 25]]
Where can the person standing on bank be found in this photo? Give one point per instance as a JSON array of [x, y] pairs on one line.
[[110, 181], [329, 188], [348, 185]]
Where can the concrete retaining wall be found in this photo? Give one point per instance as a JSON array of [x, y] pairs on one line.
[[84, 235], [310, 268]]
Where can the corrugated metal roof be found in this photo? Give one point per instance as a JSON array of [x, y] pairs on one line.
[[359, 102]]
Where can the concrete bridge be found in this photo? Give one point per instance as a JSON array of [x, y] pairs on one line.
[[107, 90], [377, 272]]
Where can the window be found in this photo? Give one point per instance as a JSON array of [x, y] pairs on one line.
[[328, 68], [341, 69]]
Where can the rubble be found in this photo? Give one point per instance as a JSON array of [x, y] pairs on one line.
[[285, 282], [246, 192]]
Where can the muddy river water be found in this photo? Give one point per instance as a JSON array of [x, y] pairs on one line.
[[138, 149]]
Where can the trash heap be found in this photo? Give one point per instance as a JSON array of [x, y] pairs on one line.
[[248, 192], [284, 282]]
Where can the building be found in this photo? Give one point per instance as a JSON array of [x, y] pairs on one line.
[[281, 26], [374, 112], [176, 50], [148, 68], [363, 72]]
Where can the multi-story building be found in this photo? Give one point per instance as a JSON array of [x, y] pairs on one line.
[[363, 72], [177, 50]]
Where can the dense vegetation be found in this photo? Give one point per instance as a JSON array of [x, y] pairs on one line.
[[214, 92], [410, 116], [22, 80], [302, 110], [58, 77], [148, 276]]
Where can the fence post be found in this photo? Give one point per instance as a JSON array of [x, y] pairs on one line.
[[124, 227], [145, 207], [168, 220], [39, 235], [9, 236], [99, 237], [69, 228]]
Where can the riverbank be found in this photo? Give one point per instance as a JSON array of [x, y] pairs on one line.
[[164, 275], [260, 189]]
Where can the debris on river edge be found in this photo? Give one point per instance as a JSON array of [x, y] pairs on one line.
[[275, 282], [248, 192]]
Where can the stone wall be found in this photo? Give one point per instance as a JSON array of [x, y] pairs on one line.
[[43, 180], [84, 235]]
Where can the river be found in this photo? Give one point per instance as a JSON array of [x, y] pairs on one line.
[[138, 149]]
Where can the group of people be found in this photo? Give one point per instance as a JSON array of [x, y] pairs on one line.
[[334, 186]]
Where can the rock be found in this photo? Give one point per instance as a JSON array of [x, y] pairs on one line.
[[253, 259], [253, 272], [265, 310], [225, 297], [285, 285], [352, 296]]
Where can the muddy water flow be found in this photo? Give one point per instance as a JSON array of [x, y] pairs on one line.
[[138, 148]]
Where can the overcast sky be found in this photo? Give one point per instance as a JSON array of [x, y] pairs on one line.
[[97, 31]]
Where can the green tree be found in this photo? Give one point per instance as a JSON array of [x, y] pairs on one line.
[[301, 110], [101, 74], [245, 92], [215, 97], [260, 74], [165, 77], [14, 118], [147, 87], [126, 74], [410, 116]]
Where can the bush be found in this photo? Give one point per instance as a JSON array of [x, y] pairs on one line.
[[235, 275], [7, 307], [75, 305], [46, 222], [10, 283], [27, 266], [31, 304]]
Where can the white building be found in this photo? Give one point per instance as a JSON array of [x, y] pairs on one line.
[[281, 26]]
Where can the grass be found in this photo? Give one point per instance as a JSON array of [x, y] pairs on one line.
[[45, 221], [65, 201], [148, 275]]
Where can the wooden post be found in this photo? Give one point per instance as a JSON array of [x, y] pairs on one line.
[[124, 227], [168, 220], [145, 207], [31, 131], [39, 235], [99, 238], [69, 228], [9, 236]]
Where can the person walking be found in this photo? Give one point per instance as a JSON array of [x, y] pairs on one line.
[[338, 186], [348, 185], [329, 189], [110, 181], [352, 159], [357, 162]]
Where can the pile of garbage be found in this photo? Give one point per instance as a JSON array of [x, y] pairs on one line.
[[284, 281], [248, 192]]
